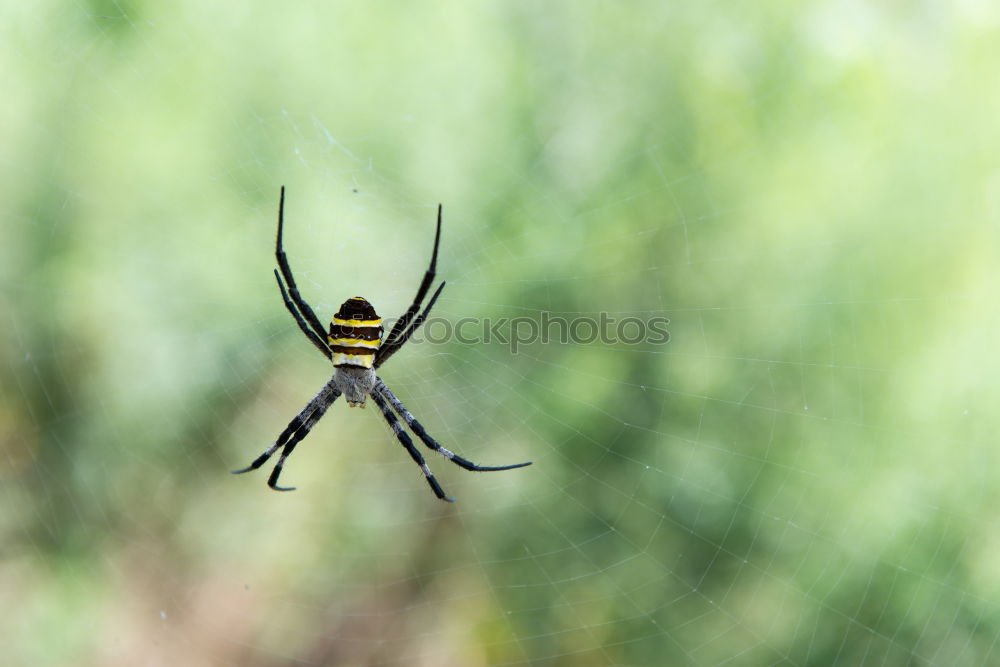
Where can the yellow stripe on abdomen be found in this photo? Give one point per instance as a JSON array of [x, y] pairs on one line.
[[354, 342], [347, 359], [358, 323]]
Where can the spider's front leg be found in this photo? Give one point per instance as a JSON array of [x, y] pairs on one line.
[[425, 437], [296, 430], [407, 443]]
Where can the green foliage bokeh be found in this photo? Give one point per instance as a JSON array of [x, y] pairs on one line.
[[804, 474]]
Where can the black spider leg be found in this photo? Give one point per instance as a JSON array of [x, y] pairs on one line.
[[417, 428], [407, 442], [286, 271], [310, 334], [296, 430], [272, 480], [384, 353], [394, 340]]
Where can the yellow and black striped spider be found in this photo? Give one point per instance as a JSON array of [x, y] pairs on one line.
[[354, 344]]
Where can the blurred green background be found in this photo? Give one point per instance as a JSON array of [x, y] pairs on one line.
[[806, 474]]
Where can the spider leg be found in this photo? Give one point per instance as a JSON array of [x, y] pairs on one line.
[[286, 271], [418, 428], [272, 480], [404, 439], [297, 429], [387, 351], [404, 321], [310, 334]]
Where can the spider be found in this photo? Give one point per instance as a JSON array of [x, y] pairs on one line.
[[355, 346]]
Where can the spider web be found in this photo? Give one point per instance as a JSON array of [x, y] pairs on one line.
[[804, 474]]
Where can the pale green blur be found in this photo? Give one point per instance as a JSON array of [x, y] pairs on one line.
[[805, 474]]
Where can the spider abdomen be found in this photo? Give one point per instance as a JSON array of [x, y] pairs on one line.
[[355, 334]]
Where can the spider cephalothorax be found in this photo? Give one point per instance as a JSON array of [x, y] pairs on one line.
[[355, 345]]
